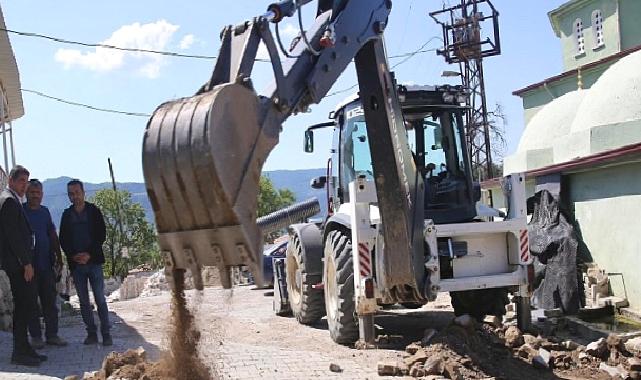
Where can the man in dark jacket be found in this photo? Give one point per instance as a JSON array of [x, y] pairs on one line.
[[82, 233], [16, 247]]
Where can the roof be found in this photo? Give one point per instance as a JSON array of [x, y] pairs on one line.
[[572, 72], [9, 75]]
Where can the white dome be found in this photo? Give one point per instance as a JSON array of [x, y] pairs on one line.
[[552, 121], [614, 97]]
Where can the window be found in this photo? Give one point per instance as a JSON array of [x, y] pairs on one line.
[[578, 37], [597, 29]]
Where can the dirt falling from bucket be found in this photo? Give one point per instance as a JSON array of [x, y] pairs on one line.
[[185, 363]]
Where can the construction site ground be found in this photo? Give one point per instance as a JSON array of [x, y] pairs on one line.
[[243, 339]]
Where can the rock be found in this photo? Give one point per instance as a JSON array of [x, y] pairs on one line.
[[553, 313], [570, 345], [513, 337], [561, 360], [417, 370], [412, 348], [584, 358], [634, 364], [72, 377], [466, 321], [612, 371], [634, 346], [434, 377], [532, 340], [598, 349], [526, 351], [542, 359], [635, 375], [453, 371], [335, 368], [434, 365], [419, 357], [493, 321], [388, 368], [428, 334]]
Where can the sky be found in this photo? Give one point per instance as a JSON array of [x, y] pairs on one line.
[[55, 139]]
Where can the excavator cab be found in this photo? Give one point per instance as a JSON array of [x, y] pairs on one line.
[[434, 126]]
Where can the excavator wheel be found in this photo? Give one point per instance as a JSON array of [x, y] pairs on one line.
[[304, 270], [338, 278], [479, 303]]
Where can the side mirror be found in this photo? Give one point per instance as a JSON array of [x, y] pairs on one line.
[[319, 182], [309, 141]]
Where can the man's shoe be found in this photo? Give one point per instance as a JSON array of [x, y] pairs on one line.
[[106, 340], [42, 358], [27, 360], [91, 339], [56, 341], [37, 343]]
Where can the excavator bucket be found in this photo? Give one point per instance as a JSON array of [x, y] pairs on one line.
[[202, 158]]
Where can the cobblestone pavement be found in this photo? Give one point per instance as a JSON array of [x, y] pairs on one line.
[[241, 339]]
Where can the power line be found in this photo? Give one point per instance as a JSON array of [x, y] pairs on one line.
[[84, 105]]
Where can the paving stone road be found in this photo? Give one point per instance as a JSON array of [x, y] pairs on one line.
[[241, 339]]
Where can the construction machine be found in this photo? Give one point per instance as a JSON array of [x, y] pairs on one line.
[[402, 226]]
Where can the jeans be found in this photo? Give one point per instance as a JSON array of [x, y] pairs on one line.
[[46, 286], [93, 274], [25, 307]]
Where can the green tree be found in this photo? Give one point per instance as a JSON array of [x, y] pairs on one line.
[[271, 199], [131, 239]]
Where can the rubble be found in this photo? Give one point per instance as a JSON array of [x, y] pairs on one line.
[[634, 346], [513, 337], [542, 359], [335, 368], [598, 349]]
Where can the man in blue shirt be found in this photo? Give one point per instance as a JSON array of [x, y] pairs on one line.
[[47, 256]]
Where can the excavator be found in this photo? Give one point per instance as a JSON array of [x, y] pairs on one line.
[[400, 229]]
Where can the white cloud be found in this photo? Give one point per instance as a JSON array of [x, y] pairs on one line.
[[187, 41], [151, 36], [289, 31]]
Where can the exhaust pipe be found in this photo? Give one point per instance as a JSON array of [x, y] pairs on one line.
[[296, 213]]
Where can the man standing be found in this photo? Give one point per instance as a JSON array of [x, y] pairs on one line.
[[44, 261], [16, 246], [82, 233]]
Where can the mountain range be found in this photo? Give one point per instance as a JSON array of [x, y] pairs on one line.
[[55, 190]]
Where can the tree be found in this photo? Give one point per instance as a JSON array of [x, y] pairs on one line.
[[271, 199], [131, 239]]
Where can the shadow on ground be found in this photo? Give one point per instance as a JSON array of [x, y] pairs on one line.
[[76, 358]]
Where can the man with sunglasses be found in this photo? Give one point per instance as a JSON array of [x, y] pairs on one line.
[[47, 262]]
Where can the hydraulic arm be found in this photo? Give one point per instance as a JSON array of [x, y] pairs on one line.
[[203, 155]]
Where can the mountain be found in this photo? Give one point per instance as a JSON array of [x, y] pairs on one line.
[[55, 190]]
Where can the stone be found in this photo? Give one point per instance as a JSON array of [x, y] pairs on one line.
[[453, 371], [417, 370], [598, 349], [553, 313], [434, 377], [388, 368], [513, 337], [635, 375], [532, 340], [419, 357], [542, 359], [412, 348], [72, 377], [434, 365], [335, 368], [526, 351], [466, 321], [493, 321], [570, 345], [634, 364], [584, 358], [612, 371], [634, 346]]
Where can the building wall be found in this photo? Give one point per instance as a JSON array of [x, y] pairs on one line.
[[607, 206], [609, 10], [629, 14]]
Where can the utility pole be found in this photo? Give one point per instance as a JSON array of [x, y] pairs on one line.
[[120, 239], [466, 44]]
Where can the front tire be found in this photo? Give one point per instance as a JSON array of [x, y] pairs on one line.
[[338, 278], [304, 270]]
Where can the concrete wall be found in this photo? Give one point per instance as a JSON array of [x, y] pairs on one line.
[[629, 14], [610, 13], [607, 206]]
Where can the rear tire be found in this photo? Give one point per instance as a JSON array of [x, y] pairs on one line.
[[338, 278], [303, 270]]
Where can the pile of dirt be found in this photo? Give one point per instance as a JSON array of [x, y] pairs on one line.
[[181, 363], [468, 350]]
